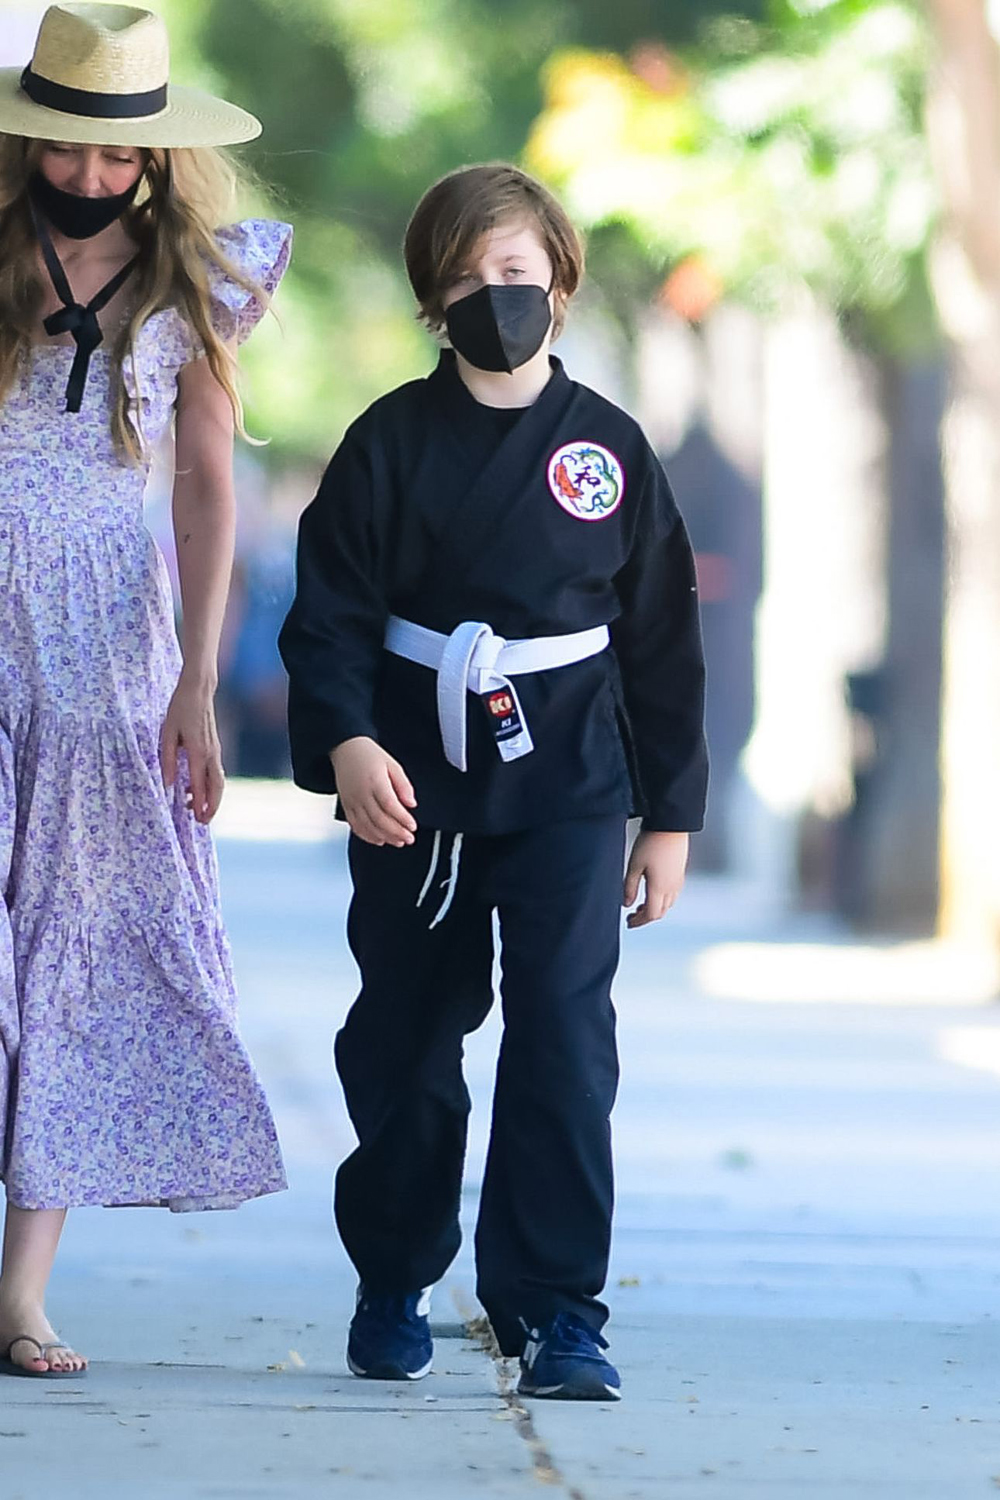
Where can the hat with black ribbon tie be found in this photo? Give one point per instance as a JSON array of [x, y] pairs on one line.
[[100, 76]]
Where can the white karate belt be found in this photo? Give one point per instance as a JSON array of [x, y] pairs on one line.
[[474, 659]]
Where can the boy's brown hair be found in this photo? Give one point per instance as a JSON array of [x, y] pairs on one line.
[[456, 213]]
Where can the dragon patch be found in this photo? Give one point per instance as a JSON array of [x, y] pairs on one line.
[[587, 480]]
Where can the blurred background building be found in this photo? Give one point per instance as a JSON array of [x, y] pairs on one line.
[[793, 219]]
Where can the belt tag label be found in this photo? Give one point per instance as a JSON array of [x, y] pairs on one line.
[[507, 722]]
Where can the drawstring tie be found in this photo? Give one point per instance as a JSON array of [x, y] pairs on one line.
[[72, 318], [451, 884]]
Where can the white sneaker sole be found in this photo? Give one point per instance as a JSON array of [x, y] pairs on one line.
[[356, 1369], [562, 1393]]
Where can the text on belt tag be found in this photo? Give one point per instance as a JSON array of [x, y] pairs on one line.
[[507, 723]]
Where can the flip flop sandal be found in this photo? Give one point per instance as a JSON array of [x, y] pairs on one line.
[[8, 1367]]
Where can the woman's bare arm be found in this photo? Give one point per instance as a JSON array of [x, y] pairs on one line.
[[204, 509]]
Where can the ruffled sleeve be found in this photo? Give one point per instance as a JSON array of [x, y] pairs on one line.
[[164, 343], [261, 250]]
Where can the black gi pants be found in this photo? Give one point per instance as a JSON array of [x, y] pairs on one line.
[[543, 1233]]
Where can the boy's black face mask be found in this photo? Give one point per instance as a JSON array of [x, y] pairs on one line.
[[499, 327], [76, 217]]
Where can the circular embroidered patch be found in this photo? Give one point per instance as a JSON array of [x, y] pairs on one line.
[[587, 480]]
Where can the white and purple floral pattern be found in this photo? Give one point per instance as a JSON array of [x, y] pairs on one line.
[[123, 1079]]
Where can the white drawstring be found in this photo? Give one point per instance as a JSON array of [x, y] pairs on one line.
[[456, 855], [435, 852], [452, 882]]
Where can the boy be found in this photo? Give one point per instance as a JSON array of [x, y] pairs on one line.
[[493, 532]]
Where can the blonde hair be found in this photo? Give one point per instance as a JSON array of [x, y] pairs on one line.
[[184, 196]]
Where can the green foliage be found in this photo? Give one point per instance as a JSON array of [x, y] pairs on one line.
[[785, 149], [787, 156], [365, 103]]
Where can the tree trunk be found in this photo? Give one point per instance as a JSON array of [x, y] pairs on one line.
[[964, 130], [895, 884]]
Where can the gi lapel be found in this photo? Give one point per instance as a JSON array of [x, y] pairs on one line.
[[500, 474]]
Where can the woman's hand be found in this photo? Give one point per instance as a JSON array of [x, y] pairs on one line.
[[190, 725], [375, 793], [660, 859]]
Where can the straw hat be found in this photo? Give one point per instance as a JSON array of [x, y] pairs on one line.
[[99, 76]]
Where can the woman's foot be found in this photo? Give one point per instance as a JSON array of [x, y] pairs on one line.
[[31, 1238], [23, 1330]]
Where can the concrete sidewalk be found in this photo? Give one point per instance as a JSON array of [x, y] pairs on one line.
[[805, 1275]]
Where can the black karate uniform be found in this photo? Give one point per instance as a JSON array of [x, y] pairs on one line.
[[439, 510]]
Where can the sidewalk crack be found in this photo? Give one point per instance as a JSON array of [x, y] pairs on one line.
[[545, 1469]]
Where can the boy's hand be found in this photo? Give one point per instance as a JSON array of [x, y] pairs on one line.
[[662, 859], [374, 792]]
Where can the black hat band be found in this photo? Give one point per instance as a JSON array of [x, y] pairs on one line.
[[92, 106]]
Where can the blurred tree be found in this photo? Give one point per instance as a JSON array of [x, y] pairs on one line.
[[785, 151], [776, 156], [964, 130], [782, 161], [365, 103]]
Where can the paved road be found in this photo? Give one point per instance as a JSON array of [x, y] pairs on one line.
[[805, 1280]]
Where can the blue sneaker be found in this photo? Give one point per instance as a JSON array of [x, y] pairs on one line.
[[390, 1336], [563, 1361]]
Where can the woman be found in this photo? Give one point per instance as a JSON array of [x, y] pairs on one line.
[[120, 306]]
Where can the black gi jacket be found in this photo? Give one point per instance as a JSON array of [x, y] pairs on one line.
[[440, 510]]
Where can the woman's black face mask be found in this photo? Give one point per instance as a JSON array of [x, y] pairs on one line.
[[499, 327], [76, 217]]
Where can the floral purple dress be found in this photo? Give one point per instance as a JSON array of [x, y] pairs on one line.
[[123, 1079]]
